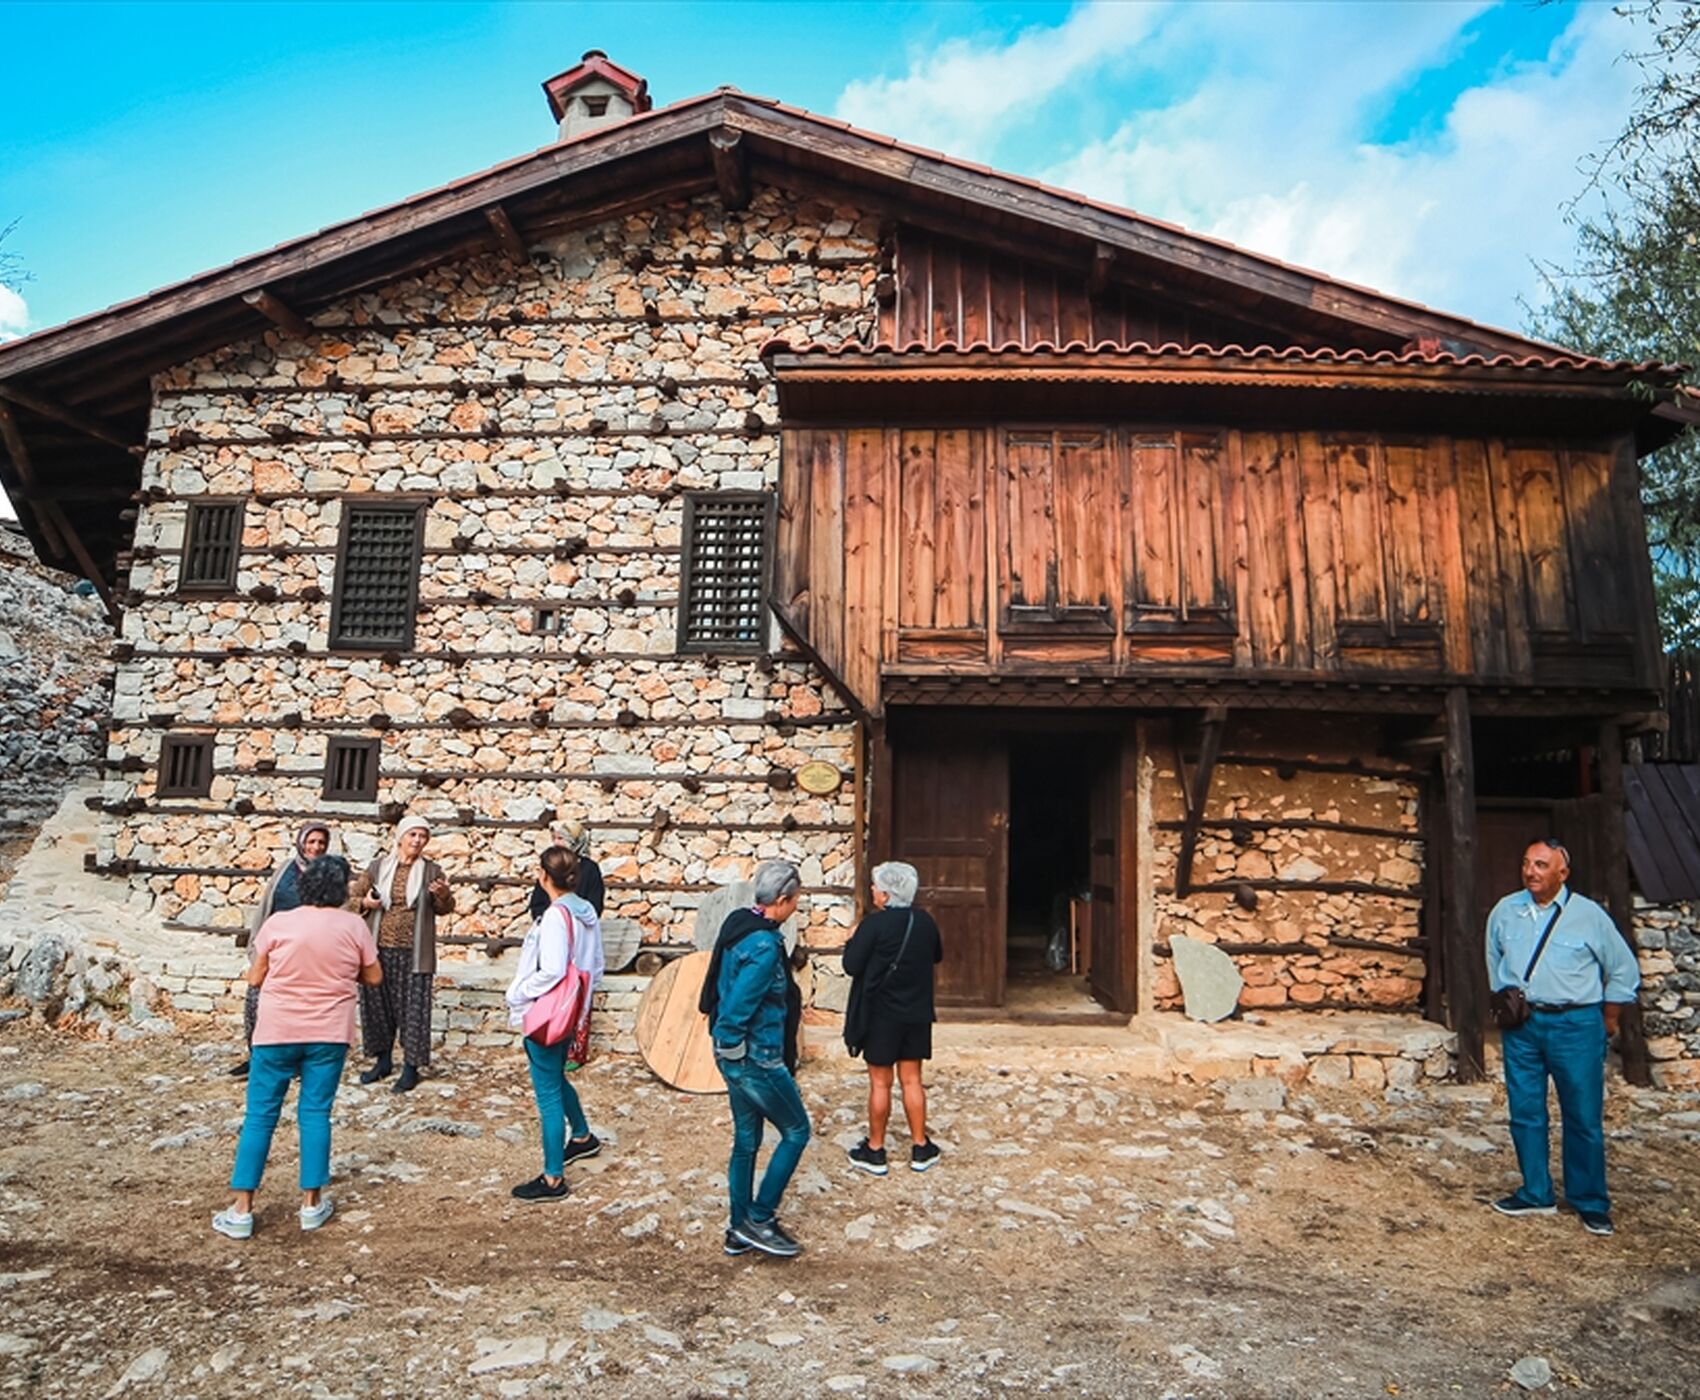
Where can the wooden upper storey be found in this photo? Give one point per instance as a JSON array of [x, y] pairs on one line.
[[1105, 548]]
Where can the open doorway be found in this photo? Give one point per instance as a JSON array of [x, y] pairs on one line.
[[1052, 779]]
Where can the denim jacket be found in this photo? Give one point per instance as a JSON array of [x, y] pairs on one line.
[[750, 1021]]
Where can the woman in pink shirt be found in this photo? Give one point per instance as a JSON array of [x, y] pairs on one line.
[[307, 963]]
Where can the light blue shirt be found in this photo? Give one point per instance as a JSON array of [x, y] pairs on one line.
[[1586, 960]]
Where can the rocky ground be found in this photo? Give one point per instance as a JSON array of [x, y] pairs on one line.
[[1086, 1234]]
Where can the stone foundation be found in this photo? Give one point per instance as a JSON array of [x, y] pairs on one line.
[[1668, 936]]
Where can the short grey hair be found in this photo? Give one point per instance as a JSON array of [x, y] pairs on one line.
[[776, 880], [899, 881]]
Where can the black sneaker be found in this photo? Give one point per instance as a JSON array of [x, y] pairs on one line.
[[923, 1155], [768, 1238], [239, 1071], [735, 1246], [1517, 1204], [576, 1149], [1597, 1223], [538, 1189], [408, 1082], [381, 1069], [868, 1159]]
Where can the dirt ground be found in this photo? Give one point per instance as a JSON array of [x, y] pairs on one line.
[[1086, 1234]]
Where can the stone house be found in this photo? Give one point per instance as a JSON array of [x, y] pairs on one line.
[[742, 483]]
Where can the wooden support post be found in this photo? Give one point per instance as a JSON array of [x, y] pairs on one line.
[[1433, 818], [1209, 746], [507, 236], [1098, 275], [278, 312], [1466, 968], [82, 422], [881, 812], [731, 166], [1614, 857]]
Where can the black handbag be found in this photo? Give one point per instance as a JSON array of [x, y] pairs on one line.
[[1510, 1005], [858, 1011]]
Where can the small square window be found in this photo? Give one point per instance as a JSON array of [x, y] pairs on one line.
[[212, 542], [351, 770], [550, 620], [596, 106], [185, 765]]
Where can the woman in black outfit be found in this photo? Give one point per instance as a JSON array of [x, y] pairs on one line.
[[890, 960]]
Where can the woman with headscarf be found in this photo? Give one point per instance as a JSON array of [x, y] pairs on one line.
[[282, 892], [576, 839], [402, 894]]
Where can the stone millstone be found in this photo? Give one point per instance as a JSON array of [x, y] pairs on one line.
[[1209, 980], [717, 904]]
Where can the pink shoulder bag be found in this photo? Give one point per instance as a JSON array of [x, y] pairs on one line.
[[563, 1012]]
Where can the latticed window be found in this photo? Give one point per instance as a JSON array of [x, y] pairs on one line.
[[212, 538], [185, 765], [722, 599], [351, 770], [377, 583]]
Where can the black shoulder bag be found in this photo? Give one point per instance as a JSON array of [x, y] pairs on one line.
[[858, 1011], [1510, 1005]]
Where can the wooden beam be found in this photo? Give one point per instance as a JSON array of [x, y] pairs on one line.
[[789, 627], [278, 312], [1466, 971], [1209, 746], [507, 236], [1098, 275], [731, 166], [89, 427], [1614, 855], [52, 518], [1433, 808]]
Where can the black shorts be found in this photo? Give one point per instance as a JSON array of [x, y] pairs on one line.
[[891, 1041]]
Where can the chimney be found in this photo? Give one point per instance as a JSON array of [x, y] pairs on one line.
[[593, 93]]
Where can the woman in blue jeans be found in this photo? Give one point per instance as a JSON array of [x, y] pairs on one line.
[[747, 996], [567, 934], [307, 963]]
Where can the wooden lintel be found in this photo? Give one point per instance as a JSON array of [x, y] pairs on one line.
[[1466, 972], [731, 166], [278, 312], [82, 422], [789, 627], [507, 235], [1209, 747], [1098, 275], [1614, 856]]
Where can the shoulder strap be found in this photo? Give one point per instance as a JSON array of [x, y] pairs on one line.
[[1540, 947], [569, 921], [902, 948]]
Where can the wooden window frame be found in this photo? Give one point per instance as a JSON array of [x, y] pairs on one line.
[[345, 743], [397, 505], [173, 744], [197, 511], [685, 644]]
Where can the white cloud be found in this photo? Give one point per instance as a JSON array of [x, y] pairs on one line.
[[14, 314]]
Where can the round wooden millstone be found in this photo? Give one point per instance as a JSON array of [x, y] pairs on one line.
[[621, 939], [672, 1035]]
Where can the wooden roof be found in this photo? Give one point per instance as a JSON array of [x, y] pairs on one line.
[[1664, 829], [74, 399]]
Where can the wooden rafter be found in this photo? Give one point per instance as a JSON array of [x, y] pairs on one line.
[[52, 518], [731, 167], [278, 312], [507, 235], [82, 422], [1197, 792]]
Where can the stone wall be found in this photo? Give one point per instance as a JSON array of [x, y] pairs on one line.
[[551, 415], [1668, 936], [1296, 805]]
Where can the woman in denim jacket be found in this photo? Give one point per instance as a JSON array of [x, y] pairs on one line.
[[746, 996]]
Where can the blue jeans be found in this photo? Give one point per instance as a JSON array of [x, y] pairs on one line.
[[319, 1067], [1571, 1048], [762, 1093], [557, 1102]]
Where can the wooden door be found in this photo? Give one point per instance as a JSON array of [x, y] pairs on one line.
[[1503, 832], [1114, 836], [951, 822]]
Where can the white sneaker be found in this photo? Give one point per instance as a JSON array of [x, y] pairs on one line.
[[314, 1216], [233, 1225]]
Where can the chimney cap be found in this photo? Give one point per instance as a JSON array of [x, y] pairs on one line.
[[596, 64]]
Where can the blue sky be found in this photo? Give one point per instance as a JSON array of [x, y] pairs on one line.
[[1426, 149]]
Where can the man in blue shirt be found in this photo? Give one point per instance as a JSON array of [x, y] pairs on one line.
[[1583, 978]]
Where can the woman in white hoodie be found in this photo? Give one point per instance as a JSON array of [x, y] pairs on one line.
[[568, 934]]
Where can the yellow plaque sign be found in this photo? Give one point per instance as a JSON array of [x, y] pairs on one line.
[[819, 778]]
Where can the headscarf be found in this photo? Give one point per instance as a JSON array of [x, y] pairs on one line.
[[574, 837], [306, 830], [387, 866]]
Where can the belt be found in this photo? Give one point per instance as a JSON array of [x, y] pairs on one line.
[[1568, 1006]]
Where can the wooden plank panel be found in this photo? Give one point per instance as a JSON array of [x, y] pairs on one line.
[[1508, 549], [914, 312], [1449, 584], [1533, 481], [1074, 314], [1086, 515], [1154, 581], [864, 495], [1267, 616], [976, 296], [1203, 525], [1597, 539], [1292, 493], [826, 546], [1322, 555], [1482, 606], [1410, 520], [959, 530], [946, 293], [1025, 520], [1005, 298], [791, 567], [916, 545], [1362, 589]]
